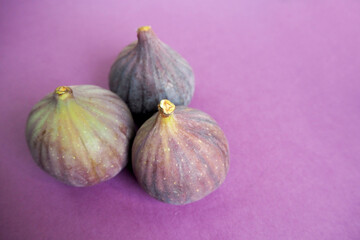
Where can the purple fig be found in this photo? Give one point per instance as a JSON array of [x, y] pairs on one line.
[[147, 71], [180, 155]]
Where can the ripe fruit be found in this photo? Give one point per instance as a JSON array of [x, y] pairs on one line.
[[180, 155], [80, 134], [147, 71]]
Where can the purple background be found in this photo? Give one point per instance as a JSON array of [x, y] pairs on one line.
[[281, 77]]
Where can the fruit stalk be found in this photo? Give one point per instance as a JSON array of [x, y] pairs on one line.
[[63, 92], [145, 33], [166, 108]]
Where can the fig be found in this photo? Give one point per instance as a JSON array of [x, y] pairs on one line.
[[180, 155], [147, 71], [80, 134]]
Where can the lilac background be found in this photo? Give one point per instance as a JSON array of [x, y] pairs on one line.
[[281, 77]]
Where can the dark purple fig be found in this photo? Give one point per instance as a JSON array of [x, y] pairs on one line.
[[180, 155], [147, 71], [80, 134]]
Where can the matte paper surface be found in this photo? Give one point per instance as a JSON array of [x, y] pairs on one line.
[[282, 78]]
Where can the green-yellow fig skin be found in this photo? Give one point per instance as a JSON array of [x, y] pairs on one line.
[[181, 157], [80, 134]]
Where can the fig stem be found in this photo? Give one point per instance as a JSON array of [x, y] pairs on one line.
[[145, 34], [166, 108], [144, 29], [63, 92]]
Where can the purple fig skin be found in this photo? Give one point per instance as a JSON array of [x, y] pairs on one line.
[[180, 156], [147, 71], [80, 134]]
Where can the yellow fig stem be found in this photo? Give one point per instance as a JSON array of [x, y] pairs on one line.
[[63, 92], [144, 29], [166, 108]]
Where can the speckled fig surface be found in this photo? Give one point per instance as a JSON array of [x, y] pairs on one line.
[[180, 154], [80, 134], [148, 71]]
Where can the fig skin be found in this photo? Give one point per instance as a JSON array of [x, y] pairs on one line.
[[80, 134], [147, 71], [180, 155]]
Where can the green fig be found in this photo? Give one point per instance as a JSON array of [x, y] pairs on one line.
[[80, 134]]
